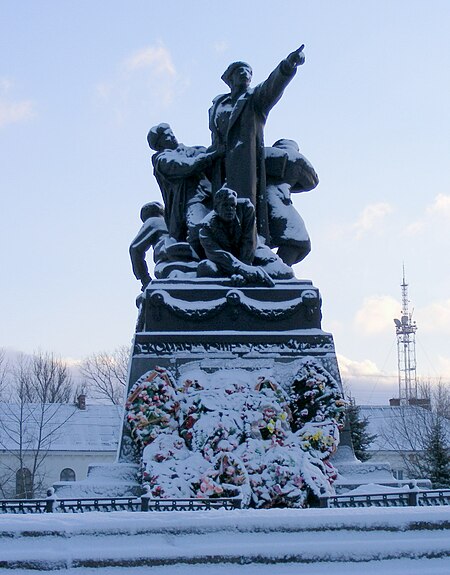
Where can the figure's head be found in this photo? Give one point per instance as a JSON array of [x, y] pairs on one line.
[[152, 210], [225, 202], [161, 137], [285, 144], [238, 75]]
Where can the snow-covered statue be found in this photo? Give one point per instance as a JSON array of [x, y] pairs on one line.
[[288, 171], [262, 180], [180, 173], [152, 231], [229, 241], [237, 121], [234, 389]]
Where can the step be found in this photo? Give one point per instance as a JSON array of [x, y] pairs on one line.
[[265, 537]]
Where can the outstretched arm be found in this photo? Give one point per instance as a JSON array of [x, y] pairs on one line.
[[179, 165], [267, 94], [296, 58]]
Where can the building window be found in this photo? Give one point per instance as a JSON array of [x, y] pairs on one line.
[[24, 484], [398, 474], [67, 474]]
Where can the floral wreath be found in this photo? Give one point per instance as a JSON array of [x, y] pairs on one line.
[[151, 406]]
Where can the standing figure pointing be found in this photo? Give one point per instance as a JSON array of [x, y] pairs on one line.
[[237, 121]]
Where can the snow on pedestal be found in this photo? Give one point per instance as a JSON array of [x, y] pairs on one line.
[[237, 432]]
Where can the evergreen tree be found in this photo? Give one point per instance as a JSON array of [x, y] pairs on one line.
[[437, 455], [361, 438]]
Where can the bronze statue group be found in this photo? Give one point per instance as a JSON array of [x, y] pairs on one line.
[[227, 206]]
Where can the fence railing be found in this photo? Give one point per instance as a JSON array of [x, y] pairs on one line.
[[412, 497], [227, 503], [144, 503], [434, 497], [25, 506]]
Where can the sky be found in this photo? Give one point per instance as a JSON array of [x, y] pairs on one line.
[[82, 82]]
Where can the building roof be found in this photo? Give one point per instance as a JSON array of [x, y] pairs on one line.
[[98, 427], [398, 427], [65, 427]]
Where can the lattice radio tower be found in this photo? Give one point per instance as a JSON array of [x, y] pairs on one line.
[[406, 329]]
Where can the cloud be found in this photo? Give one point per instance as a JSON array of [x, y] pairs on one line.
[[142, 80], [103, 90], [435, 317], [351, 368], [414, 228], [11, 111], [440, 206], [5, 85], [376, 315], [371, 216], [365, 382], [221, 46], [157, 58], [15, 112]]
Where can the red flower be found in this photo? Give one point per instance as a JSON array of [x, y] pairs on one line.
[[189, 422]]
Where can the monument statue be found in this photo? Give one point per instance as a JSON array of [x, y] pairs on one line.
[[190, 177], [288, 171], [152, 231], [179, 171], [228, 238], [237, 121], [234, 389]]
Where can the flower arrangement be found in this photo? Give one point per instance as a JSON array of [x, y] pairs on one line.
[[215, 435], [151, 406], [315, 396]]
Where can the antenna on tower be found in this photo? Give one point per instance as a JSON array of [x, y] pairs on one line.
[[406, 329]]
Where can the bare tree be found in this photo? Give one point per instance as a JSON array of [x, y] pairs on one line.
[[106, 374], [421, 435], [44, 378], [3, 371], [437, 394], [31, 420]]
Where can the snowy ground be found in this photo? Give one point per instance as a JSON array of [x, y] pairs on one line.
[[393, 567], [374, 541]]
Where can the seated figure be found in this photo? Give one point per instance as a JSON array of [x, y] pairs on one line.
[[288, 171], [229, 241]]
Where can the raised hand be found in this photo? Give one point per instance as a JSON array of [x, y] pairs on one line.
[[297, 57]]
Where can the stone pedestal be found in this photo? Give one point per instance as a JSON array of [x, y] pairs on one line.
[[213, 325], [234, 340]]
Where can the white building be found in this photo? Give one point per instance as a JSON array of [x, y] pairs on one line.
[[57, 442], [53, 442], [400, 433]]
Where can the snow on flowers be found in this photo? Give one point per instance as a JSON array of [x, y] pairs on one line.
[[236, 432]]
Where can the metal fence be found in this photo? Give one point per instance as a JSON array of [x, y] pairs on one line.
[[25, 506], [412, 497], [82, 505], [434, 497]]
